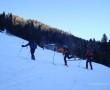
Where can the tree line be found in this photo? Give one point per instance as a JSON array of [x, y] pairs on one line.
[[42, 33]]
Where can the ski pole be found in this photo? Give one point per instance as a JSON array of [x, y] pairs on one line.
[[79, 63], [53, 56], [20, 51]]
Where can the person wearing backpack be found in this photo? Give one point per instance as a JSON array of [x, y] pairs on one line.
[[33, 45], [89, 56]]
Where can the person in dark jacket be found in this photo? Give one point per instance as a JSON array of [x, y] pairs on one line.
[[89, 56], [66, 55], [33, 46]]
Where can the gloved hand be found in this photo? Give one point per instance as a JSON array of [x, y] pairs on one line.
[[22, 45]]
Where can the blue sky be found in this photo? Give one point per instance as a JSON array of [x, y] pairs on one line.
[[83, 18]]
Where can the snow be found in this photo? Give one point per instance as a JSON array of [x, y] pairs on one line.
[[19, 72]]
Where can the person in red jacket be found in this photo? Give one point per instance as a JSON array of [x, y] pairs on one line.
[[89, 56]]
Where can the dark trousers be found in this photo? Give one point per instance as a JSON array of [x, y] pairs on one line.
[[32, 50], [66, 56], [65, 60], [89, 61]]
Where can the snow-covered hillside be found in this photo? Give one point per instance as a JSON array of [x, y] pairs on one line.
[[19, 72]]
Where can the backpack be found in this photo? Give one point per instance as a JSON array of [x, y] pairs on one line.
[[89, 54]]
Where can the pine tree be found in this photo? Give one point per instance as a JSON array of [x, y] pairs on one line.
[[104, 38]]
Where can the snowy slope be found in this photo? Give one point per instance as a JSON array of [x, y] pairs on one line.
[[19, 72]]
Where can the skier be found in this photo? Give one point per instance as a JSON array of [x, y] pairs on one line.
[[33, 46], [66, 55], [89, 56]]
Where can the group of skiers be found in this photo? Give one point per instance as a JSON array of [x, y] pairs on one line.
[[89, 54]]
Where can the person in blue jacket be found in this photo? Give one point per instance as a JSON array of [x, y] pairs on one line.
[[33, 46]]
